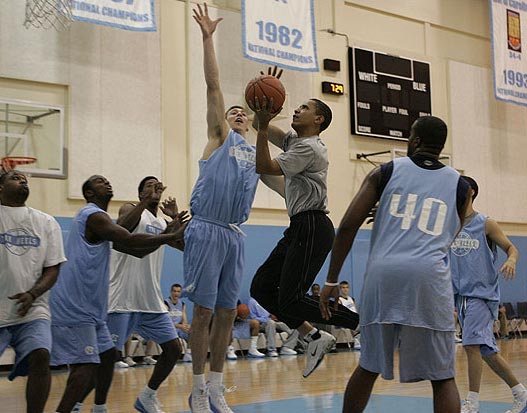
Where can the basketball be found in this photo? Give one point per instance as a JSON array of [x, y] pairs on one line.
[[243, 311], [268, 86]]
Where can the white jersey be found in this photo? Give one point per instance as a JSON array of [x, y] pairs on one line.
[[349, 303], [30, 240], [135, 283]]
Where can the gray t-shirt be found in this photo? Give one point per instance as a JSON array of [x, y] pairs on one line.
[[304, 163]]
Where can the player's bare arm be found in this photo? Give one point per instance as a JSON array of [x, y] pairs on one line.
[[496, 234], [264, 163], [217, 128], [274, 182], [355, 215]]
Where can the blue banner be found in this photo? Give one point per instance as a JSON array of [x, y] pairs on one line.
[[280, 32], [125, 14]]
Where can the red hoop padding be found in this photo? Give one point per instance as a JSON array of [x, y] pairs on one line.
[[9, 162]]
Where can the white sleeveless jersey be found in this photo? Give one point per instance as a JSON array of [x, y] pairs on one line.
[[135, 283]]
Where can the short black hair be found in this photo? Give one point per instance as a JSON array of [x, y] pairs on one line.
[[143, 182], [3, 176], [324, 110], [473, 184], [86, 186], [175, 285], [344, 283], [233, 107], [431, 130]]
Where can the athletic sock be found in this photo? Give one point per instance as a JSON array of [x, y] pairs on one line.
[[99, 408], [473, 397], [518, 390], [199, 382], [254, 342], [147, 391], [215, 378], [313, 335]]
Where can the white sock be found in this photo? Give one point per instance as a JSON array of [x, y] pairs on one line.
[[77, 406], [473, 397], [215, 378], [254, 340], [518, 390], [199, 382], [148, 391], [99, 408]]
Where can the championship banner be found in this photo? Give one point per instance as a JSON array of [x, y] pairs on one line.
[[280, 32], [508, 24], [125, 14]]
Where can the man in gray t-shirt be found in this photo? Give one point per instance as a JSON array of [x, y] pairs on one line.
[[281, 283]]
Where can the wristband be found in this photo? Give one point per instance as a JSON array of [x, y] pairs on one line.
[[327, 284], [32, 295]]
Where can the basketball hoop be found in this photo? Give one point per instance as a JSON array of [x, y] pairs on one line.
[[9, 162], [47, 14]]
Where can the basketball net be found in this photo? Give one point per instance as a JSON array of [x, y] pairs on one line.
[[47, 14]]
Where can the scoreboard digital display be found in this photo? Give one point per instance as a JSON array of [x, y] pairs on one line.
[[388, 93]]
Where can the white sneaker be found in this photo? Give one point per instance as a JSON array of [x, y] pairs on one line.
[[121, 365], [519, 405], [147, 403], [316, 350], [457, 339], [149, 360], [198, 401], [356, 344], [187, 358], [231, 354], [286, 351], [100, 409], [272, 353], [468, 407], [255, 354], [218, 404], [77, 408], [130, 361]]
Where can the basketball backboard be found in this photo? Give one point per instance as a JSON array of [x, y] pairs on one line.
[[36, 130]]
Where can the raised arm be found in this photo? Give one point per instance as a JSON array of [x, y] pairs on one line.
[[355, 215], [495, 233], [275, 135], [217, 128]]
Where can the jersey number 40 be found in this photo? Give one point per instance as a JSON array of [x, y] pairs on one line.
[[409, 213]]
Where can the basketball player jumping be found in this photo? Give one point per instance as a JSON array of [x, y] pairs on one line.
[[281, 283], [407, 300], [475, 279], [214, 247]]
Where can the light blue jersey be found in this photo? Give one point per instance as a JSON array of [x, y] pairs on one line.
[[408, 278], [227, 182], [175, 311], [80, 295], [473, 262]]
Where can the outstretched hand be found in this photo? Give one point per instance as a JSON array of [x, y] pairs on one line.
[[207, 25], [273, 71], [169, 207], [263, 110], [325, 304]]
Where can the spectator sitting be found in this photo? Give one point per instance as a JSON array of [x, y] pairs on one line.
[[349, 303], [270, 325], [504, 326], [244, 327], [178, 314], [315, 291]]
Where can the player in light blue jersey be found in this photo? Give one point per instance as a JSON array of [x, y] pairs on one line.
[[214, 248], [475, 276], [405, 302], [79, 301]]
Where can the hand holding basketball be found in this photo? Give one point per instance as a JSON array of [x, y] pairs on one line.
[[265, 92]]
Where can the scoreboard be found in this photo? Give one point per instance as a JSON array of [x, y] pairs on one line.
[[388, 93]]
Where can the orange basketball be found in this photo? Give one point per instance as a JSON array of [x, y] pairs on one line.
[[243, 311], [268, 86]]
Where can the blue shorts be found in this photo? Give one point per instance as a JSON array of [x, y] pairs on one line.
[[79, 344], [213, 264], [241, 329], [157, 327], [476, 318], [25, 338], [424, 354]]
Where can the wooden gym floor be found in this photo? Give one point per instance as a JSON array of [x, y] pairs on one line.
[[276, 385]]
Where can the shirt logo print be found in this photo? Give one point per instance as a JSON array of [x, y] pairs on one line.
[[18, 241], [463, 244]]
